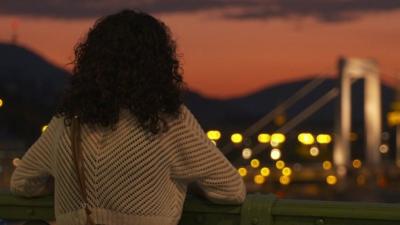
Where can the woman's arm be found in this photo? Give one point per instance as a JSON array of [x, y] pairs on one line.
[[199, 160], [32, 175]]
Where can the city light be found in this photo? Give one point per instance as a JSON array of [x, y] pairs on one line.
[[258, 179], [393, 118], [236, 138], [314, 151], [214, 135], [1, 102], [242, 171], [280, 164], [275, 154], [278, 138], [246, 153], [284, 180], [255, 163], [324, 138], [264, 138], [383, 148], [306, 138], [265, 171], [44, 128], [357, 163], [16, 162], [331, 180], [287, 171], [327, 165], [274, 144]]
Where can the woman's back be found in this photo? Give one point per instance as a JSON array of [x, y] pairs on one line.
[[132, 176]]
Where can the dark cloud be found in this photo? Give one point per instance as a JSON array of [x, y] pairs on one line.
[[324, 10]]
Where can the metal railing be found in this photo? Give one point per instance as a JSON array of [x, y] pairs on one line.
[[256, 210]]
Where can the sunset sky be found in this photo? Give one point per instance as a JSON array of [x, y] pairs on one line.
[[229, 48]]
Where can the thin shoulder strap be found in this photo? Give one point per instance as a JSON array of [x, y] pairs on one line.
[[77, 156]]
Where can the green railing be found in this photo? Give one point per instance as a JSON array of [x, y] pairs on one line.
[[257, 210]]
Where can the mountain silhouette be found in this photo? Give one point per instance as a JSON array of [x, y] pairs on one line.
[[31, 87]]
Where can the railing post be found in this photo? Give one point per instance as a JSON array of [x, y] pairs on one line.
[[257, 210]]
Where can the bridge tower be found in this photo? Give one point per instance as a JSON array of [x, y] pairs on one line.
[[350, 70]]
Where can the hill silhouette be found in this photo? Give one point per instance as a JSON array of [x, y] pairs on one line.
[[31, 87]]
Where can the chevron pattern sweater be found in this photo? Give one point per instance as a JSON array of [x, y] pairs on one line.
[[132, 177]]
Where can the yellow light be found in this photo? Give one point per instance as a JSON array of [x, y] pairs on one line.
[[280, 164], [214, 135], [314, 151], [255, 163], [258, 179], [357, 163], [306, 138], [331, 180], [246, 153], [242, 171], [236, 138], [393, 118], [327, 165], [275, 154], [274, 144], [1, 102], [16, 162], [278, 138], [44, 128], [384, 148], [284, 180], [287, 171], [264, 138], [324, 138], [265, 171]]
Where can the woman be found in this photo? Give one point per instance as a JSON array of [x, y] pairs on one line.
[[141, 146]]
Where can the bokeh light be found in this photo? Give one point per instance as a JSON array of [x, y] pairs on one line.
[[258, 179], [275, 154], [331, 180], [236, 138], [214, 135], [306, 138], [280, 164], [247, 153], [327, 165], [324, 138], [284, 180], [255, 163], [265, 171], [287, 171], [264, 138], [357, 163], [44, 128], [314, 151], [242, 171]]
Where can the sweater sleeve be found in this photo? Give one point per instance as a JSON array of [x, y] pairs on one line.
[[199, 160], [32, 177]]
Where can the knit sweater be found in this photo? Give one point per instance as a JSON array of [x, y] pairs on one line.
[[132, 177]]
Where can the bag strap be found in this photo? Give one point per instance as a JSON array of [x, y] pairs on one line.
[[77, 156]]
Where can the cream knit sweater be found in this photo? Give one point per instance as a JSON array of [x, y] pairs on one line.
[[132, 177]]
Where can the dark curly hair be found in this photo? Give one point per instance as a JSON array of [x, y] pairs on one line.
[[127, 60]]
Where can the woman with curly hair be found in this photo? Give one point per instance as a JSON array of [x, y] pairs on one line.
[[122, 148]]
